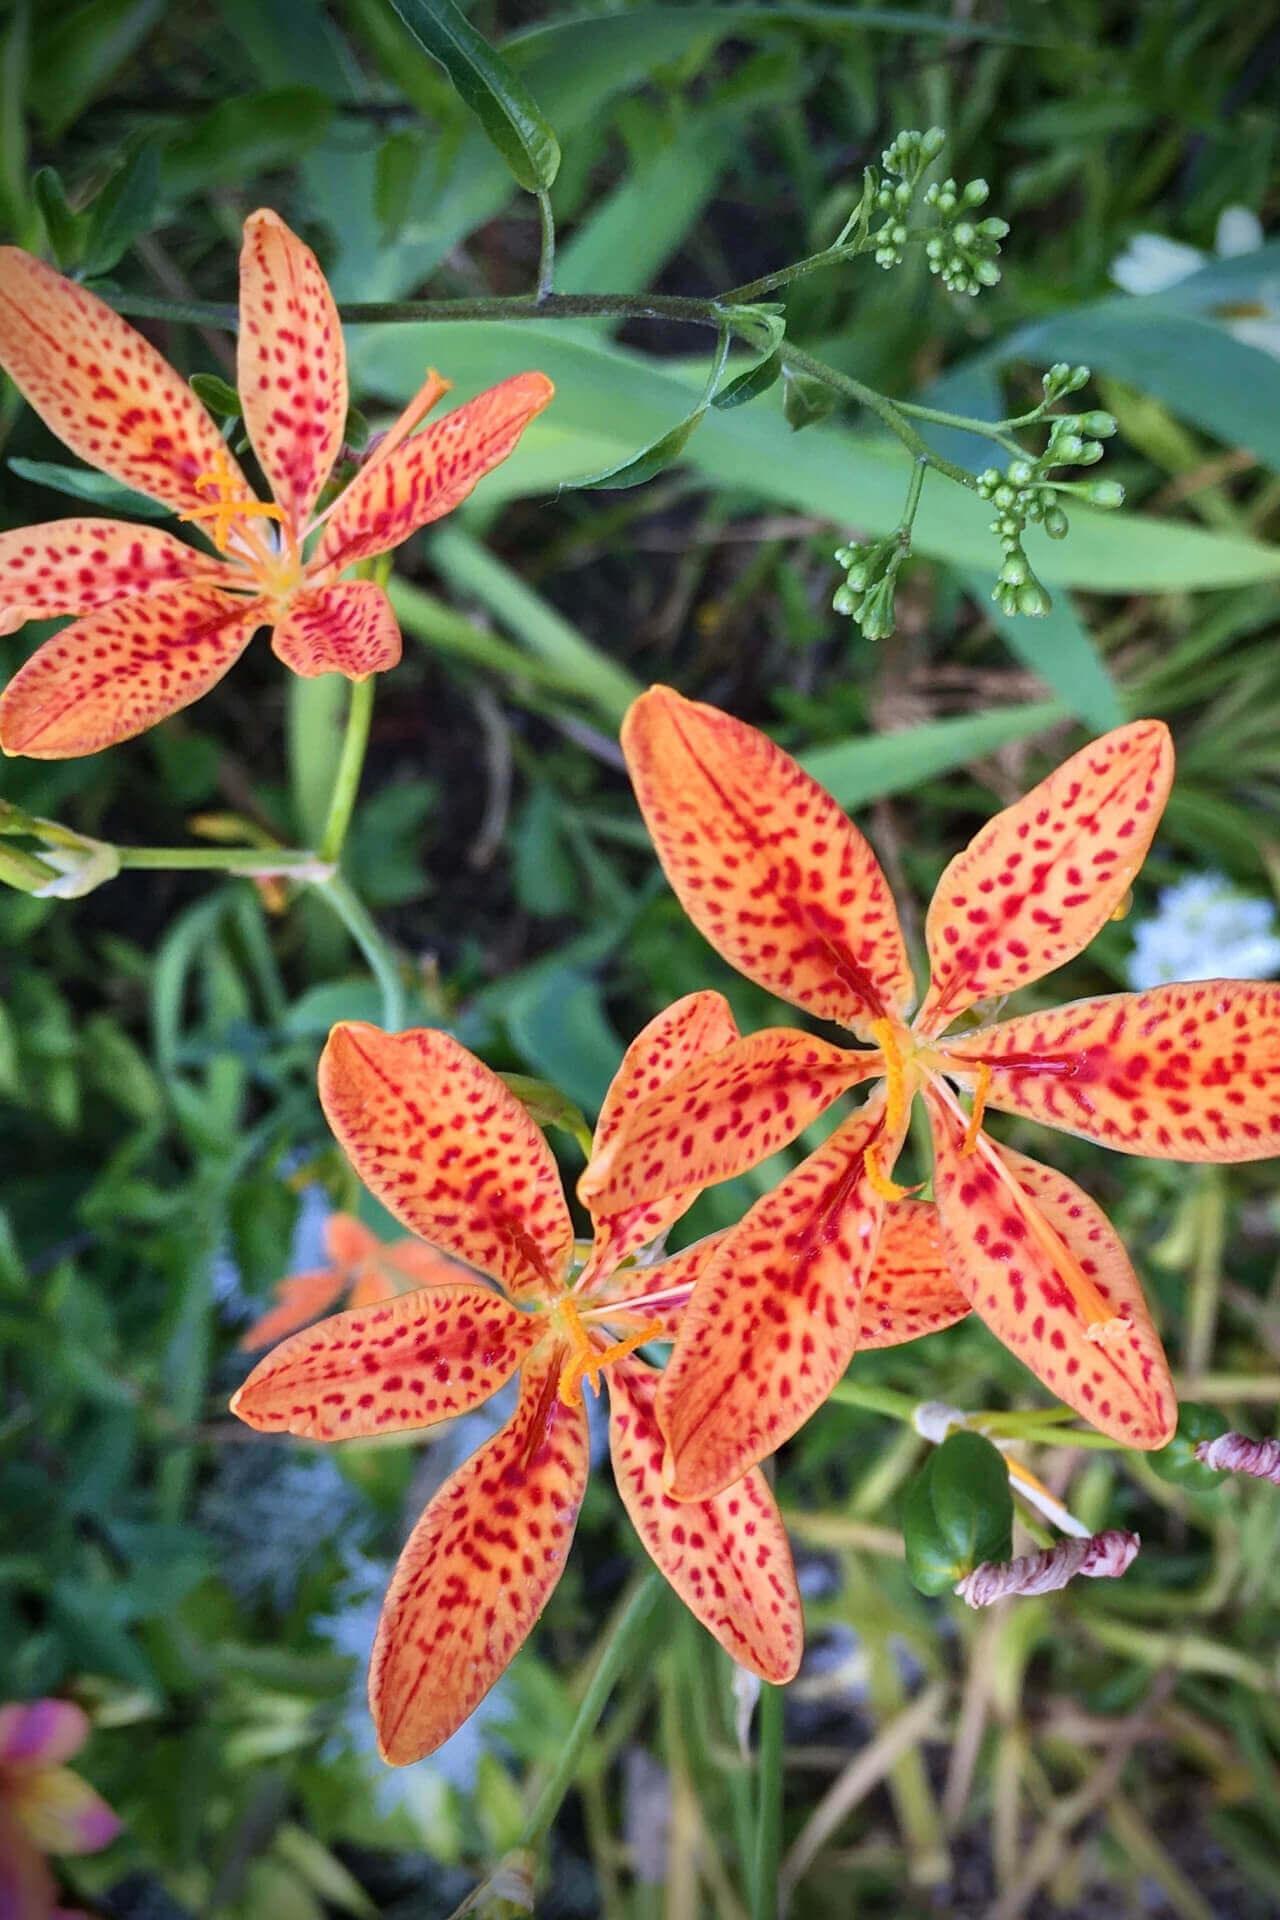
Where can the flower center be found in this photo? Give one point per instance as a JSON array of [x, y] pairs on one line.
[[589, 1354], [230, 525]]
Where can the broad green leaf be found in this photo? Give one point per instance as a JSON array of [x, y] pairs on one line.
[[805, 401], [633, 231], [557, 1020], [64, 229], [749, 385], [314, 732], [1058, 648], [500, 101], [958, 1512], [15, 62], [254, 133], [610, 400], [217, 395], [859, 771], [78, 50], [86, 483], [649, 462], [125, 208]]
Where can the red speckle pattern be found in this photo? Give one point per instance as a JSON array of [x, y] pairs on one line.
[[120, 669], [728, 1557], [1012, 1272], [422, 1357], [291, 368], [430, 474], [1034, 887], [103, 389], [1179, 1072], [723, 1115], [672, 1280], [764, 862], [73, 566], [478, 1569], [692, 1029], [774, 1321], [910, 1291], [348, 628], [449, 1151]]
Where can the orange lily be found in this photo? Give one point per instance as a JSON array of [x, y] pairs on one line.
[[783, 885], [367, 1270], [451, 1152], [164, 621], [44, 1807]]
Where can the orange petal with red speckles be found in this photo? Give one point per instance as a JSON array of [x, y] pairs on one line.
[[728, 1557], [638, 1296], [1043, 1266], [346, 628], [478, 1569], [419, 1358], [1040, 880], [764, 862], [1179, 1072], [774, 1322], [723, 1115], [910, 1291], [690, 1029], [120, 670], [291, 367], [73, 566], [449, 1151], [104, 390], [430, 474], [300, 1298]]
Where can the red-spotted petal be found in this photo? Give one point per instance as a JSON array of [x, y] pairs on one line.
[[346, 628], [122, 669], [1179, 1072], [449, 1151], [60, 1813], [641, 1296], [430, 474], [764, 862], [419, 1358], [1043, 1266], [728, 1557], [300, 1298], [26, 1885], [104, 390], [73, 566], [478, 1569], [721, 1116], [41, 1733], [910, 1291], [774, 1322], [291, 366], [1034, 887], [690, 1029]]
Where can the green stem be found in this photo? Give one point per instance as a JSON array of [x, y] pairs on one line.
[[897, 1406], [346, 781], [258, 863], [547, 253], [963, 422], [770, 282], [768, 1847], [886, 410], [918, 470], [24, 871], [359, 923], [619, 1650]]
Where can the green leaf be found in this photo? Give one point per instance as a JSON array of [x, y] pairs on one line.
[[859, 771], [254, 133], [64, 229], [217, 396], [398, 165], [85, 483], [548, 1107], [557, 1020], [649, 462], [500, 101], [125, 208], [15, 75], [805, 401], [746, 386], [78, 51], [1059, 648], [958, 1512]]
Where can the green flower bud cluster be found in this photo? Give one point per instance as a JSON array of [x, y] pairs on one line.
[[866, 595], [1024, 493], [904, 160], [962, 252]]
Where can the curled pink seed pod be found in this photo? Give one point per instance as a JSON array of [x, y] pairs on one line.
[[1104, 1556], [1236, 1453]]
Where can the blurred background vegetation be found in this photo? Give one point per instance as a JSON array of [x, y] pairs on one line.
[[211, 1595]]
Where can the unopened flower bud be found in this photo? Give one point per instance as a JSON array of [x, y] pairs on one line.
[[1105, 493], [1105, 1556], [1101, 425], [1055, 522], [1033, 601]]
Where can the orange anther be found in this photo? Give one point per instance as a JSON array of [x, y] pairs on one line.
[[587, 1361], [879, 1180], [224, 510], [885, 1036], [973, 1126]]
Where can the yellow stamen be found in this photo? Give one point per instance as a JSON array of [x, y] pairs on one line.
[[587, 1361], [974, 1125], [885, 1036], [224, 509], [879, 1180]]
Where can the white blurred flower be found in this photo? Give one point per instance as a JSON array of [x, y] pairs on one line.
[[1205, 929], [273, 1512], [1151, 264]]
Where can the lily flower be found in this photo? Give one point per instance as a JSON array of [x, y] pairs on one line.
[[44, 1807], [454, 1156], [781, 883], [162, 621], [367, 1270]]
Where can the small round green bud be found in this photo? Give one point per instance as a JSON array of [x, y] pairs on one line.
[[993, 228], [902, 193], [1003, 496], [1021, 473], [1105, 493], [858, 579], [988, 273], [1080, 377], [932, 142], [1055, 522], [1067, 448], [1015, 570], [1033, 601], [1089, 454], [1101, 425], [964, 233], [975, 193]]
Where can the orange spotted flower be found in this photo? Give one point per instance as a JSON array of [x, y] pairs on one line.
[[783, 885], [44, 1807], [455, 1157], [164, 621], [367, 1270]]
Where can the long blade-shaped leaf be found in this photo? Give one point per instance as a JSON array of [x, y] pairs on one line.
[[503, 104]]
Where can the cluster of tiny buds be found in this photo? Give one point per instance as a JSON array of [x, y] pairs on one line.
[[963, 250], [866, 595], [1024, 492]]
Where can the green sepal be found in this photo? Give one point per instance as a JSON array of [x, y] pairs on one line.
[[1177, 1462], [958, 1512], [749, 385], [217, 395], [548, 1107]]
